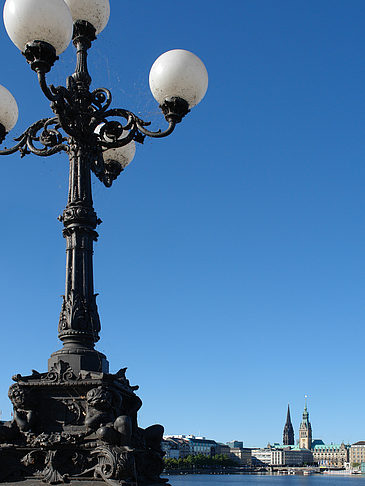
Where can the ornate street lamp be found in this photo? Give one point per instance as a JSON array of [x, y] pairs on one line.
[[77, 420]]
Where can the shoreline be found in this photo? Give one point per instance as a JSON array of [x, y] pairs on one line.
[[299, 471]]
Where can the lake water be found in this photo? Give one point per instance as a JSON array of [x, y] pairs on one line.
[[265, 480]]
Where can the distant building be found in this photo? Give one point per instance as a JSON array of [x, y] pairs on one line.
[[296, 456], [222, 449], [307, 451], [261, 456], [281, 455], [288, 434], [173, 443], [184, 447], [201, 445], [330, 454], [357, 452], [305, 430], [242, 455], [317, 442], [170, 448], [234, 444]]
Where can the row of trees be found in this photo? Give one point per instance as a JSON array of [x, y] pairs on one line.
[[199, 461]]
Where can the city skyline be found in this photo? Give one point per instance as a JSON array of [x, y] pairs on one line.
[[314, 437], [230, 264]]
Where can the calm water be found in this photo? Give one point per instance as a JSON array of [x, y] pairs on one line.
[[253, 480]]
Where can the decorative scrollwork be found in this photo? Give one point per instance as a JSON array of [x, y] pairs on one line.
[[114, 463], [75, 412], [112, 133], [51, 473], [134, 127], [51, 139], [101, 98], [105, 128], [60, 372]]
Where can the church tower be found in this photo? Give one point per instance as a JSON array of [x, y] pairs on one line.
[[288, 435], [305, 430]]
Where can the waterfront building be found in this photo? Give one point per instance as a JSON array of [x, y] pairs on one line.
[[175, 436], [295, 456], [176, 446], [335, 455], [196, 445], [201, 445], [281, 455], [222, 449], [184, 447], [357, 452], [277, 457], [317, 442], [261, 456], [234, 444], [305, 430], [288, 434], [170, 448], [173, 443], [290, 455], [242, 455]]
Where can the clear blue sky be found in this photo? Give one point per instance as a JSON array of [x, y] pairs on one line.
[[231, 258]]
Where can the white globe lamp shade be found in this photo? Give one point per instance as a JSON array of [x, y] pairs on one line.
[[123, 155], [96, 12], [8, 109], [178, 73], [42, 20]]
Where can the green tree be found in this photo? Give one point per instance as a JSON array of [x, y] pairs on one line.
[[199, 461]]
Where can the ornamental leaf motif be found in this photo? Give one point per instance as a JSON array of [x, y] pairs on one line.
[[78, 314]]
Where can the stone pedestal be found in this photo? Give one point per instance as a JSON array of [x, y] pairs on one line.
[[78, 428], [80, 359]]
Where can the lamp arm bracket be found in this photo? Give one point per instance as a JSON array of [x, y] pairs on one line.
[[44, 132], [159, 133], [52, 93], [48, 91], [134, 127]]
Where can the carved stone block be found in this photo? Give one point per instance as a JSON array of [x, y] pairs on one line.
[[83, 425]]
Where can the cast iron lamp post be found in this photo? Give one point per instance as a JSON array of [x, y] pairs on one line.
[[77, 420]]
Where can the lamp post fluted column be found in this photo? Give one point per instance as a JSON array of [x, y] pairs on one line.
[[79, 323]]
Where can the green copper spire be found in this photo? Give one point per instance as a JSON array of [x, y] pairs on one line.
[[305, 429], [305, 413]]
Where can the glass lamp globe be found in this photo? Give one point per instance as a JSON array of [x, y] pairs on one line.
[[123, 155], [8, 109], [42, 20], [96, 12], [178, 73]]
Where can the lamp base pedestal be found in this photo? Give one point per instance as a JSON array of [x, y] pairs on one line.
[[78, 428], [80, 359]]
